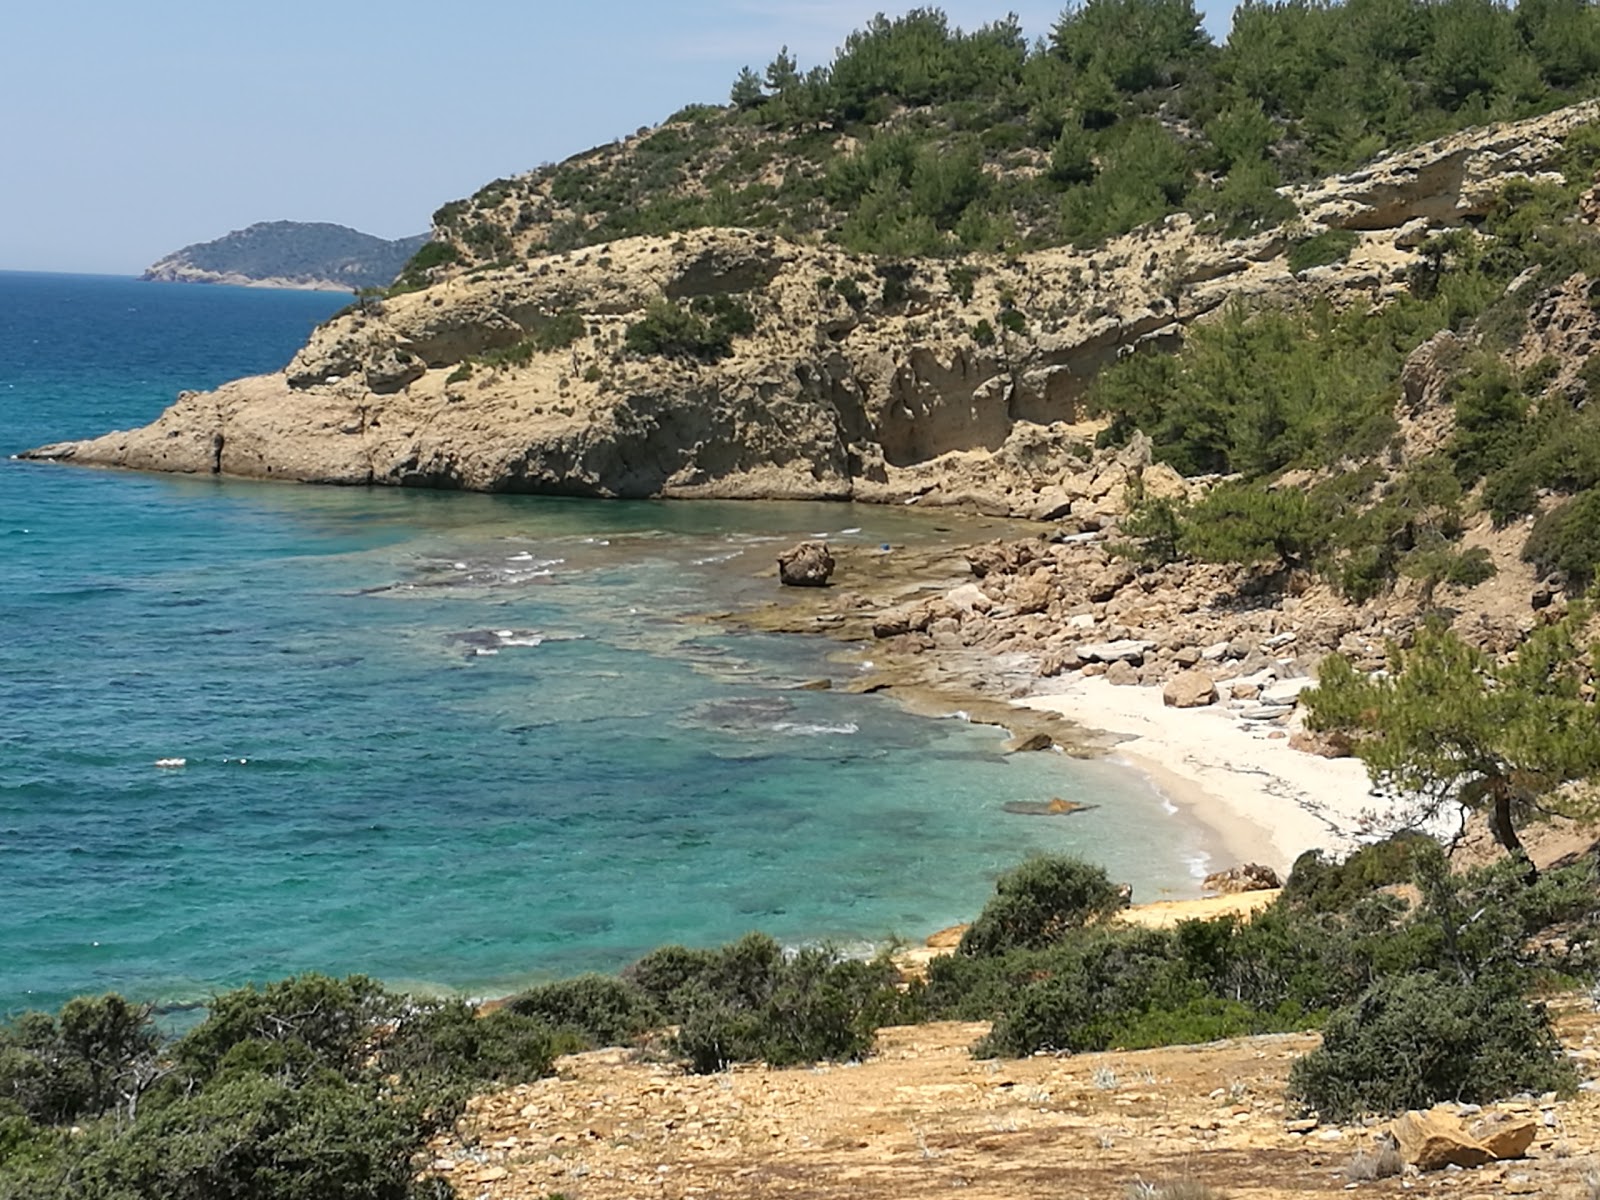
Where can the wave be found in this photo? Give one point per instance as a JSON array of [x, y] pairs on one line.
[[804, 729]]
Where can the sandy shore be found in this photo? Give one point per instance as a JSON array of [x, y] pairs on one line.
[[1266, 802]]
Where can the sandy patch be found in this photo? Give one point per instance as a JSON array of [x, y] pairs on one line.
[[1266, 802]]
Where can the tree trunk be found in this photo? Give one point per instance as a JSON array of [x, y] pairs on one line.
[[1504, 831]]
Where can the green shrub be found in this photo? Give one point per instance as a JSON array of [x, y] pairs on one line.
[[250, 1138], [962, 280], [1038, 902], [602, 1009], [1251, 524], [1567, 539], [559, 331], [750, 1000], [1013, 321], [97, 1055], [1415, 1040], [1320, 884], [1329, 246], [300, 1026], [705, 330]]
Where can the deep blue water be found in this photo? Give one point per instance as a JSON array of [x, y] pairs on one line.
[[443, 739]]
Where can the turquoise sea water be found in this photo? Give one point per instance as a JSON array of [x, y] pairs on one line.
[[443, 739]]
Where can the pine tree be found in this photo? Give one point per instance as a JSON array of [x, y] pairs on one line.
[[747, 91], [1450, 725]]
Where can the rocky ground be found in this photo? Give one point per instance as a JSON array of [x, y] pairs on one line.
[[922, 1116]]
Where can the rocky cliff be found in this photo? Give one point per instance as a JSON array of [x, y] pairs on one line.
[[290, 254], [950, 381]]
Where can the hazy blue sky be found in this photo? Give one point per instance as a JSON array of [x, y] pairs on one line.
[[133, 129]]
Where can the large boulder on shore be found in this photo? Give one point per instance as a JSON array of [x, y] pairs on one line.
[[1433, 1140], [1189, 689], [808, 564]]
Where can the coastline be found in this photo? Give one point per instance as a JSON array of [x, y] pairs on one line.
[[1264, 801]]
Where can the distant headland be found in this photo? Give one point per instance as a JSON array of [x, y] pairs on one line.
[[314, 255]]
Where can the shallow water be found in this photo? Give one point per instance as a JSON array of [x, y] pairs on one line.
[[451, 740]]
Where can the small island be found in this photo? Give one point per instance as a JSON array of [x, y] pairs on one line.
[[314, 255]]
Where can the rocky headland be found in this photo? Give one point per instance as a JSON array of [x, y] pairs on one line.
[[305, 255], [916, 382]]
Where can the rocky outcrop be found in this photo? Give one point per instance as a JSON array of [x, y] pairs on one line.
[[900, 387], [1246, 877]]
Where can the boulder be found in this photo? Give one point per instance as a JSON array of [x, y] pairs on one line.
[[1246, 877], [1433, 1140], [1504, 1135], [808, 564], [1032, 593], [1122, 673], [1110, 581], [1189, 689], [1161, 482], [914, 618], [969, 598], [1323, 745], [1286, 691]]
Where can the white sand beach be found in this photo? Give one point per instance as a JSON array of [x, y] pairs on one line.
[[1266, 802]]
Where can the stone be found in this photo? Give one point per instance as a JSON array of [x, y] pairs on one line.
[[1286, 691], [969, 598], [1503, 1135], [1186, 656], [1161, 482], [1246, 877], [394, 370], [895, 621], [1122, 673], [1323, 745], [1030, 743], [1122, 650], [808, 564], [1436, 1139], [1032, 594], [1189, 689], [1059, 662], [1110, 581]]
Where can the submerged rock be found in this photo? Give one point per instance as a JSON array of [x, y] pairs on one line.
[[1054, 807]]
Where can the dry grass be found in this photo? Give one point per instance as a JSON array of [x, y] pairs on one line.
[[1382, 1163], [1172, 1189]]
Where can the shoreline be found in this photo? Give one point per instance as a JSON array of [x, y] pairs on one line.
[[1263, 800]]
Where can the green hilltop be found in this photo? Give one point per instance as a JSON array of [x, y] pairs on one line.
[[920, 138]]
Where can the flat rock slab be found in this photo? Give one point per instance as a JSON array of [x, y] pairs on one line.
[[1128, 650]]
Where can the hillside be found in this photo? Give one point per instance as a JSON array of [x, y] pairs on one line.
[[297, 254]]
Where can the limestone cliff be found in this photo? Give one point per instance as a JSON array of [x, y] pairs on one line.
[[936, 381]]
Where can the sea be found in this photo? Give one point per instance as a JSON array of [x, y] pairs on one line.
[[456, 742]]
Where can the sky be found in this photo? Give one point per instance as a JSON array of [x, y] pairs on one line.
[[131, 130]]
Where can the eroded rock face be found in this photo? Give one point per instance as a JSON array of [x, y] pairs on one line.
[[808, 564]]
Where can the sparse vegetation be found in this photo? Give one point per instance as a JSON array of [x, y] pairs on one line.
[[975, 140]]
